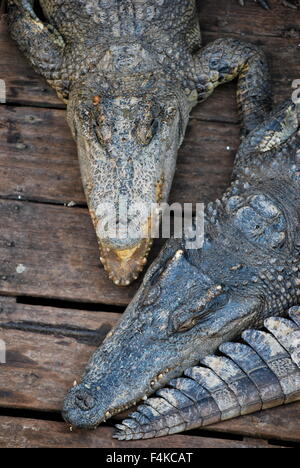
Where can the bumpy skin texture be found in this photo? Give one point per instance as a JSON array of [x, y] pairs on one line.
[[192, 301], [261, 372], [130, 71]]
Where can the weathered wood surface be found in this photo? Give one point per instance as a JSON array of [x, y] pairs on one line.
[[223, 16], [282, 423], [29, 433], [49, 251], [47, 349]]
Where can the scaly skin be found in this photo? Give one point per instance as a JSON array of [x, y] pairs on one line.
[[260, 373], [192, 301], [130, 72]]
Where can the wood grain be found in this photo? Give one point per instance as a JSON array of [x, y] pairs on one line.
[[47, 349], [223, 16], [30, 433]]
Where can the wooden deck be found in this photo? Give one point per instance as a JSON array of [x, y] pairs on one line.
[[56, 304]]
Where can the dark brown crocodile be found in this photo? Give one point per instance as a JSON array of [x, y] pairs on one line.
[[130, 72]]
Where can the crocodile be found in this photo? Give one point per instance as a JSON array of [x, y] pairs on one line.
[[193, 300], [130, 71], [261, 372]]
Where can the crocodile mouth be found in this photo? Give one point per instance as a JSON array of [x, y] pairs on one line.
[[83, 411], [124, 265], [125, 258]]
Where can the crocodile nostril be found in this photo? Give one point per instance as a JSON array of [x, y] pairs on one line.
[[84, 400]]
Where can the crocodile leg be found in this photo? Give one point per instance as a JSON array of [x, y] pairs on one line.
[[225, 59], [30, 33], [263, 373]]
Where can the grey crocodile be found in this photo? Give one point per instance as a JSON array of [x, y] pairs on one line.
[[194, 300], [130, 72], [262, 374]]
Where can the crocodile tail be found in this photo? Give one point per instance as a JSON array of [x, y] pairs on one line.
[[261, 372]]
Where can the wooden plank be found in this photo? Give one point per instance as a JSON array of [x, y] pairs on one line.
[[16, 314], [32, 433], [38, 159], [282, 423], [48, 348]]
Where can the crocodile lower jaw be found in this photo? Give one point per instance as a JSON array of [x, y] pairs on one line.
[[124, 265]]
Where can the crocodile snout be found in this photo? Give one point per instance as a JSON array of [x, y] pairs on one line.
[[80, 408], [84, 400], [124, 265]]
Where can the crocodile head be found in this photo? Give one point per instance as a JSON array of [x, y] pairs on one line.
[[127, 145], [190, 302]]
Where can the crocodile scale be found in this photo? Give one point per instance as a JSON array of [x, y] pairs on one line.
[[262, 371]]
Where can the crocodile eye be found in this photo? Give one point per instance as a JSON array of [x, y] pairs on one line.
[[183, 321], [145, 133], [186, 326], [102, 130], [103, 133]]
